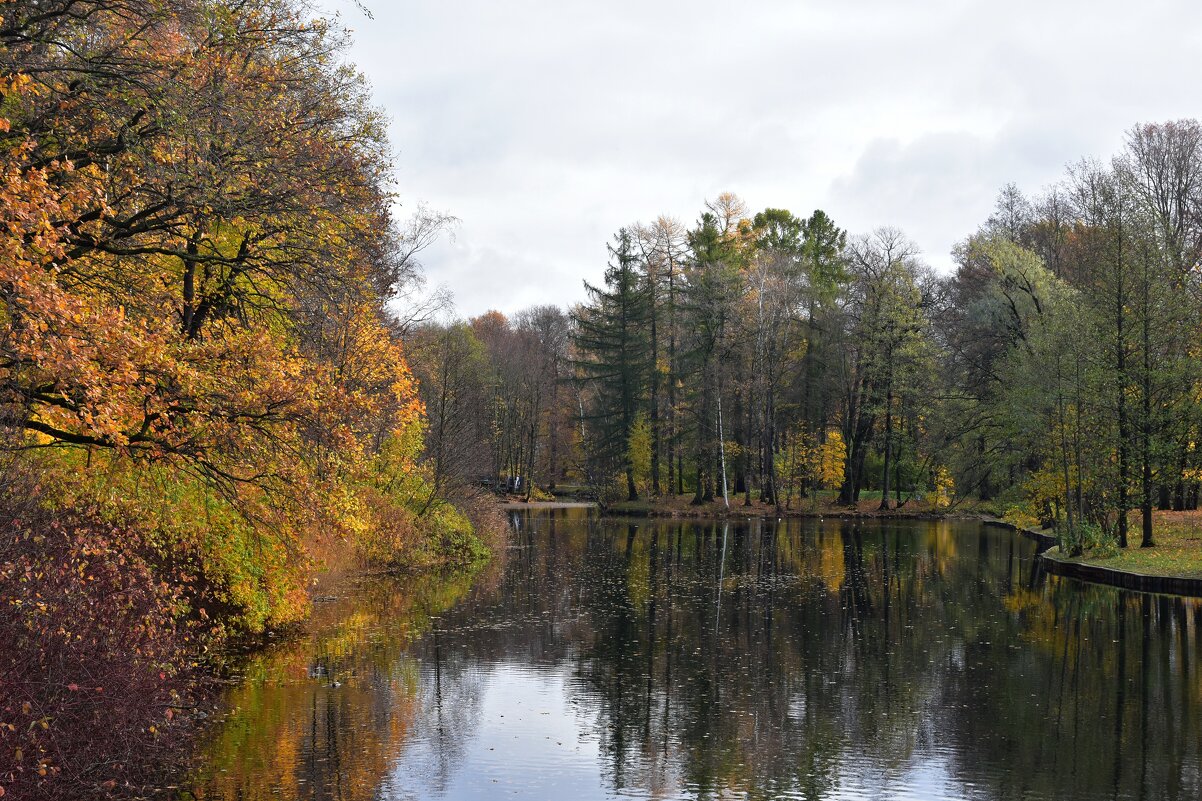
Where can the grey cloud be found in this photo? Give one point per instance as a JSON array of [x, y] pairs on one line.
[[546, 125]]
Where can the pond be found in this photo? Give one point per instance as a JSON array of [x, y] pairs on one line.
[[603, 659]]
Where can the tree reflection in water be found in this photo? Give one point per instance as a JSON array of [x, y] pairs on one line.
[[801, 659]]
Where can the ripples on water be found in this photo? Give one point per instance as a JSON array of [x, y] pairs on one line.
[[799, 660]]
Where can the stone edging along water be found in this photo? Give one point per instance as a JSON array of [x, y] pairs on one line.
[[1044, 539], [1125, 579]]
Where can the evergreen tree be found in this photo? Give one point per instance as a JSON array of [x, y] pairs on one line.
[[710, 295], [614, 359]]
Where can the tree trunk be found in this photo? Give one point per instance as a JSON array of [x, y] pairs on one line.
[[655, 424], [1073, 541], [1146, 427], [722, 452], [1121, 365], [888, 446]]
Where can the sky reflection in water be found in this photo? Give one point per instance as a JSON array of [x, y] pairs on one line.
[[809, 660]]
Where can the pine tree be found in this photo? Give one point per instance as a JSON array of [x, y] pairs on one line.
[[708, 306], [614, 358]]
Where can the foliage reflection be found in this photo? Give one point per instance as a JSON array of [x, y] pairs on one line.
[[752, 660]]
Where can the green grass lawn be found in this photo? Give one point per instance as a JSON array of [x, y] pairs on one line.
[[1177, 552]]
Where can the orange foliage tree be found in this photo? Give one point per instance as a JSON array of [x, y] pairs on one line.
[[196, 249], [197, 253], [196, 233]]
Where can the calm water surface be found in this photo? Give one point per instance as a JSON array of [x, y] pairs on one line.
[[755, 660]]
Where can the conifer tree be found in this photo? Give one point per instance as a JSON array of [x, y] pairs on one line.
[[614, 358]]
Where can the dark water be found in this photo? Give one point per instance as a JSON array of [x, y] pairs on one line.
[[764, 660]]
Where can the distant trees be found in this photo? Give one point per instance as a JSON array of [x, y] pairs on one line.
[[1070, 330], [780, 337], [884, 325], [454, 371], [497, 400], [614, 345], [1054, 373], [712, 292]]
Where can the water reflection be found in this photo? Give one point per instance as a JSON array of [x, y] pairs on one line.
[[758, 660], [323, 716]]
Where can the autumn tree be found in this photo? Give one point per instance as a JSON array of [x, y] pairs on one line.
[[663, 247], [884, 319], [1162, 164], [201, 363]]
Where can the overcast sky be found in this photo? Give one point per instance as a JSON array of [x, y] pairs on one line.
[[546, 125]]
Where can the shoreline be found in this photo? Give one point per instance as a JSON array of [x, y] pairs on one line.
[[1048, 555], [1043, 538], [716, 510], [1159, 583], [507, 505]]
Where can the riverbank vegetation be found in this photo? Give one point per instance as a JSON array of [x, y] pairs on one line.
[[216, 380], [763, 360], [204, 391], [1178, 551]]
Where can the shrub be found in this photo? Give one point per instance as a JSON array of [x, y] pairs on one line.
[[95, 662], [250, 573], [1099, 542], [1020, 517]]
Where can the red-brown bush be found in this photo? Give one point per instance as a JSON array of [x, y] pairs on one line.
[[93, 656]]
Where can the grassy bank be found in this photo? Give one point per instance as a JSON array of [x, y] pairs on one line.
[[1177, 551]]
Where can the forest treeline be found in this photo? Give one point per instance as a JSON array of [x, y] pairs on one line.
[[768, 358], [204, 395], [214, 379]]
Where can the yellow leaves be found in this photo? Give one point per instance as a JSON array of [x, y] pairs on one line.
[[14, 82], [1021, 518], [806, 458], [831, 457], [1045, 487], [638, 451], [944, 490], [246, 440]]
